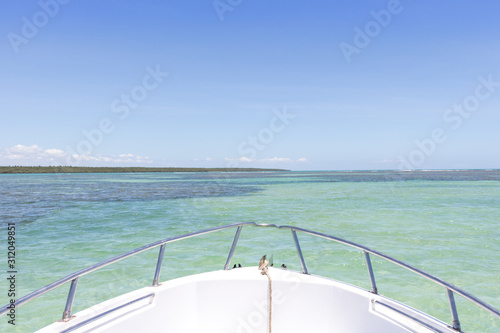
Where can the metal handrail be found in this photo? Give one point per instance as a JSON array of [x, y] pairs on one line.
[[428, 276], [108, 312], [367, 251], [74, 276]]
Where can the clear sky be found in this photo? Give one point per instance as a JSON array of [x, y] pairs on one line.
[[302, 85]]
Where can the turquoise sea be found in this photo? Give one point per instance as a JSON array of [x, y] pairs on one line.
[[444, 222]]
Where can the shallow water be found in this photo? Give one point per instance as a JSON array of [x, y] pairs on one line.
[[446, 223]]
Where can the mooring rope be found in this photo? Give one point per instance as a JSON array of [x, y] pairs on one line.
[[264, 267]]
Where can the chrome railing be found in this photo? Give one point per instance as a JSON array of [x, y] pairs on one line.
[[73, 278]]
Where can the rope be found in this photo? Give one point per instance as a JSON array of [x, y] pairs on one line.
[[263, 266]]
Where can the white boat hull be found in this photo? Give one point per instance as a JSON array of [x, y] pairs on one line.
[[237, 300]]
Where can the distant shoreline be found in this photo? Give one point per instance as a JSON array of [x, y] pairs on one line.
[[73, 169]]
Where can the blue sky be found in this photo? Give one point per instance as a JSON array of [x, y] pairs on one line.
[[323, 85]]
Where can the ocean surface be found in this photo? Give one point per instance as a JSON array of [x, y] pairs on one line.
[[444, 222]]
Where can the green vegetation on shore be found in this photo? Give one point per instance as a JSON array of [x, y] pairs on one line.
[[73, 169]]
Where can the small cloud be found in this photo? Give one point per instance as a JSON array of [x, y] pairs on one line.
[[302, 160], [55, 152], [110, 159], [241, 159], [36, 155], [275, 160], [244, 159], [24, 150]]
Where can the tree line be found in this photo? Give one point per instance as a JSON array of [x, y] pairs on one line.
[[77, 169]]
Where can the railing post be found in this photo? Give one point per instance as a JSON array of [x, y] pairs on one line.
[[156, 279], [370, 271], [454, 312], [233, 247], [69, 300], [299, 252]]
